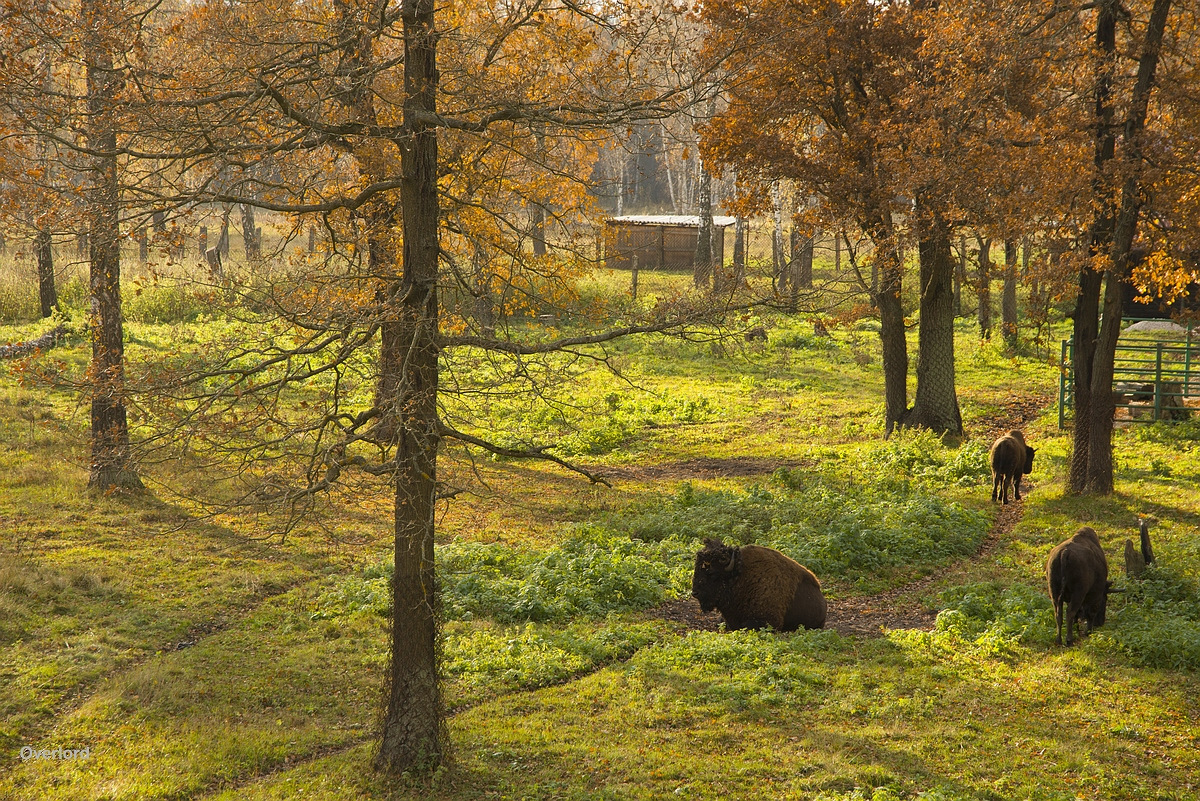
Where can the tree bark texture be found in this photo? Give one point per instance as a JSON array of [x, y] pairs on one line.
[[936, 404], [983, 289], [960, 276], [702, 265], [250, 233], [891, 320], [1099, 477], [803, 276], [414, 734], [43, 245], [735, 276], [1008, 300], [1086, 328], [111, 462], [777, 274]]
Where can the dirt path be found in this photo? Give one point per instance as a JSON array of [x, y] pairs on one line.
[[865, 616]]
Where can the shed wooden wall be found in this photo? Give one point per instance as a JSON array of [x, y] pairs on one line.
[[669, 247]]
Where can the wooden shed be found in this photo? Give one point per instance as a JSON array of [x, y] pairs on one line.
[[660, 241]]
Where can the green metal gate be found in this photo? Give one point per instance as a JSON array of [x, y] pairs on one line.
[[1148, 376]]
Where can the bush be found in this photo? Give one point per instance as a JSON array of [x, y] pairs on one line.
[[991, 616], [533, 655], [592, 574], [921, 456], [851, 531], [1157, 624]]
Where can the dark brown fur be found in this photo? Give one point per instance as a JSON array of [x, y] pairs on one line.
[[1077, 575], [755, 587], [1011, 458]]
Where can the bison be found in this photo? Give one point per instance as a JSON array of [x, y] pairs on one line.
[[754, 587], [1077, 575], [1011, 458]]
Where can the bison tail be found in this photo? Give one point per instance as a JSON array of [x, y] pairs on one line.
[[1057, 572]]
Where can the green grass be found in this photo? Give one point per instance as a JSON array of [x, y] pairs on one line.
[[204, 658]]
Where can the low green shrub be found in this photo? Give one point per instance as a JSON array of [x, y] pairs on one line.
[[796, 340], [921, 456], [1184, 434], [850, 531], [511, 658], [994, 617], [1157, 621], [354, 595], [592, 574]]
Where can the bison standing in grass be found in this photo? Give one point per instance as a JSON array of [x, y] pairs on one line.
[[1077, 575], [754, 587], [1011, 458]]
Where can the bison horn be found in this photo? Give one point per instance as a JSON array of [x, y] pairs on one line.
[[733, 561]]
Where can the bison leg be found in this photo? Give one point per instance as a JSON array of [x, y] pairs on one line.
[[995, 485], [1073, 609], [1017, 487], [1058, 618]]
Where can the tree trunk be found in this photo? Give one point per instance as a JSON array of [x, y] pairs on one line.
[[702, 265], [47, 292], [537, 226], [1008, 301], [936, 404], [891, 320], [739, 252], [960, 276], [983, 289], [223, 241], [249, 233], [777, 274], [414, 734], [804, 278], [485, 308], [1099, 471], [793, 265], [111, 463]]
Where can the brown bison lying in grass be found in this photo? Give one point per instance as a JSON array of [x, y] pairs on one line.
[[755, 587], [1011, 458], [1077, 575]]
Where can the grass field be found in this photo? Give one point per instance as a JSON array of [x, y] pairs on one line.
[[204, 658]]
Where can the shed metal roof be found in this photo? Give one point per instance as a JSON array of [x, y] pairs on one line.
[[685, 220]]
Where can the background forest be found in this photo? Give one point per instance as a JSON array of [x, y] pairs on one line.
[[313, 300]]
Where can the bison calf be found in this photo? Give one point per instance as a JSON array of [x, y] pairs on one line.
[[1011, 458], [1077, 575], [754, 587]]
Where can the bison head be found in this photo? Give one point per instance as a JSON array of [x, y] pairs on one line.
[[716, 566], [1029, 452], [1098, 609]]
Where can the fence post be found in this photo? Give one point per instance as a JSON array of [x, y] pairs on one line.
[[1158, 350], [633, 288]]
